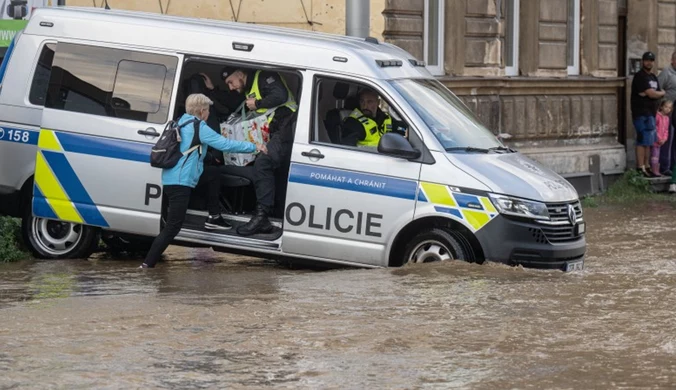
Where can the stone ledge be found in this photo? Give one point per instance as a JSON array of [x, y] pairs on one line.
[[533, 85], [574, 160]]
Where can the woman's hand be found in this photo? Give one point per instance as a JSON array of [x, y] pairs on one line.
[[261, 148]]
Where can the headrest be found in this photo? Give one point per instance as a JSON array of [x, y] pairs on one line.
[[341, 90]]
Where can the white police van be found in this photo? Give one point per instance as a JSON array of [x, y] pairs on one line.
[[86, 92]]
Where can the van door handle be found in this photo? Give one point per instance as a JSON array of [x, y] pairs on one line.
[[149, 132], [314, 153]]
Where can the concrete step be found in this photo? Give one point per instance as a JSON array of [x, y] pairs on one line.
[[659, 184]]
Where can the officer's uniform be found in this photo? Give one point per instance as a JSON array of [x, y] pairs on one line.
[[360, 130], [270, 91]]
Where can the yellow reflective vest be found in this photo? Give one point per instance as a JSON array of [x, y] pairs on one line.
[[373, 132], [255, 91]]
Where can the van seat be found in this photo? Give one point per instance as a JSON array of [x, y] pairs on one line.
[[345, 103], [235, 176]]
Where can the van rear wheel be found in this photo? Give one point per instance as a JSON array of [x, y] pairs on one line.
[[50, 239], [433, 245]]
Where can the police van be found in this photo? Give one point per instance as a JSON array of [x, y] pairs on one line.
[[85, 93]]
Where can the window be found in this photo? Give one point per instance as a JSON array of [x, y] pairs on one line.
[[111, 82], [449, 119], [139, 84], [573, 53], [335, 101], [41, 77], [434, 36], [512, 8]]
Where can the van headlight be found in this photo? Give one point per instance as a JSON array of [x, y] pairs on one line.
[[519, 207]]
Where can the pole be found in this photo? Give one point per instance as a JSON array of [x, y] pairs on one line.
[[357, 18]]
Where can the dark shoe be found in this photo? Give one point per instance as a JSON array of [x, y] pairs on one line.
[[216, 223], [666, 173], [259, 223]]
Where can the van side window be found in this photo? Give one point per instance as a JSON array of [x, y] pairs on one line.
[[111, 82], [41, 77], [352, 114], [140, 85]]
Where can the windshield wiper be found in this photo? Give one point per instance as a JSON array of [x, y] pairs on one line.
[[502, 149], [472, 149], [467, 149]]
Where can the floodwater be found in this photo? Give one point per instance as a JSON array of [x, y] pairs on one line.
[[207, 320]]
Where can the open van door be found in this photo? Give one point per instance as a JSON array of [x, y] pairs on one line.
[[104, 110], [344, 203]]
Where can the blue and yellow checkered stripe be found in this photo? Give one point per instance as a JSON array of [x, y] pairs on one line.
[[58, 193], [477, 211]]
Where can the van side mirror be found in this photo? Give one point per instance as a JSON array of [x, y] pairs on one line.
[[396, 145]]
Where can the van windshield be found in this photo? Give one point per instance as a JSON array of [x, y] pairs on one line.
[[454, 125]]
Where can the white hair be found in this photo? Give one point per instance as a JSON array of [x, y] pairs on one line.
[[197, 102]]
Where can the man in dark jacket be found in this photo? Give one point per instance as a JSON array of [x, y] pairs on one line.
[[264, 91], [224, 103]]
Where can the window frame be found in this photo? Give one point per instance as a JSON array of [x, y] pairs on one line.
[[133, 54], [414, 136], [437, 69], [35, 69], [514, 25], [574, 69]]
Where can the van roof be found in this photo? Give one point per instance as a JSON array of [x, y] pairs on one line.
[[272, 45]]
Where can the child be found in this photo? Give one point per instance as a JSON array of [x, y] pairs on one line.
[[662, 124]]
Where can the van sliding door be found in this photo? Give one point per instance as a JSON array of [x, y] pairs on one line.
[[104, 109]]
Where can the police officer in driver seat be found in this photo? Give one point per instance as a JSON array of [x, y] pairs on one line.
[[367, 123]]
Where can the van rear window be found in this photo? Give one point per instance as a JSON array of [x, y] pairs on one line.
[[41, 77], [111, 82]]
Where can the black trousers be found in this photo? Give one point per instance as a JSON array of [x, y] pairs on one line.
[[179, 198], [279, 155], [211, 179]]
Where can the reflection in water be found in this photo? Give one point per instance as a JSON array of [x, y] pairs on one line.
[[205, 320]]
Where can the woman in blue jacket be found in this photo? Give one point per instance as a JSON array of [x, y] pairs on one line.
[[179, 181]]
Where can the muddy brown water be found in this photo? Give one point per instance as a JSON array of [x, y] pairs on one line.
[[207, 320]]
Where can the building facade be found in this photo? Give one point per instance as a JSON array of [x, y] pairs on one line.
[[551, 76], [549, 73]]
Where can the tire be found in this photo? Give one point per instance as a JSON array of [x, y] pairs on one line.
[[433, 245], [50, 239], [117, 243]]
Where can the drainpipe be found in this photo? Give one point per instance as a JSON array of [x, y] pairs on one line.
[[357, 18]]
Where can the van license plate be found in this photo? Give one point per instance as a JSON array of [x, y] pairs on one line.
[[575, 266]]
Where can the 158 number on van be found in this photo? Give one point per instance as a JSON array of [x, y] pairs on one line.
[[14, 135]]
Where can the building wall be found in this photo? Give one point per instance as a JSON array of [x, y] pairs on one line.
[[316, 15], [569, 123]]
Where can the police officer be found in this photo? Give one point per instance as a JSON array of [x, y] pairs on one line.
[[264, 91], [367, 123]]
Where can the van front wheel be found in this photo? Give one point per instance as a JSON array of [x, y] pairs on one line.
[[433, 245], [50, 239]]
